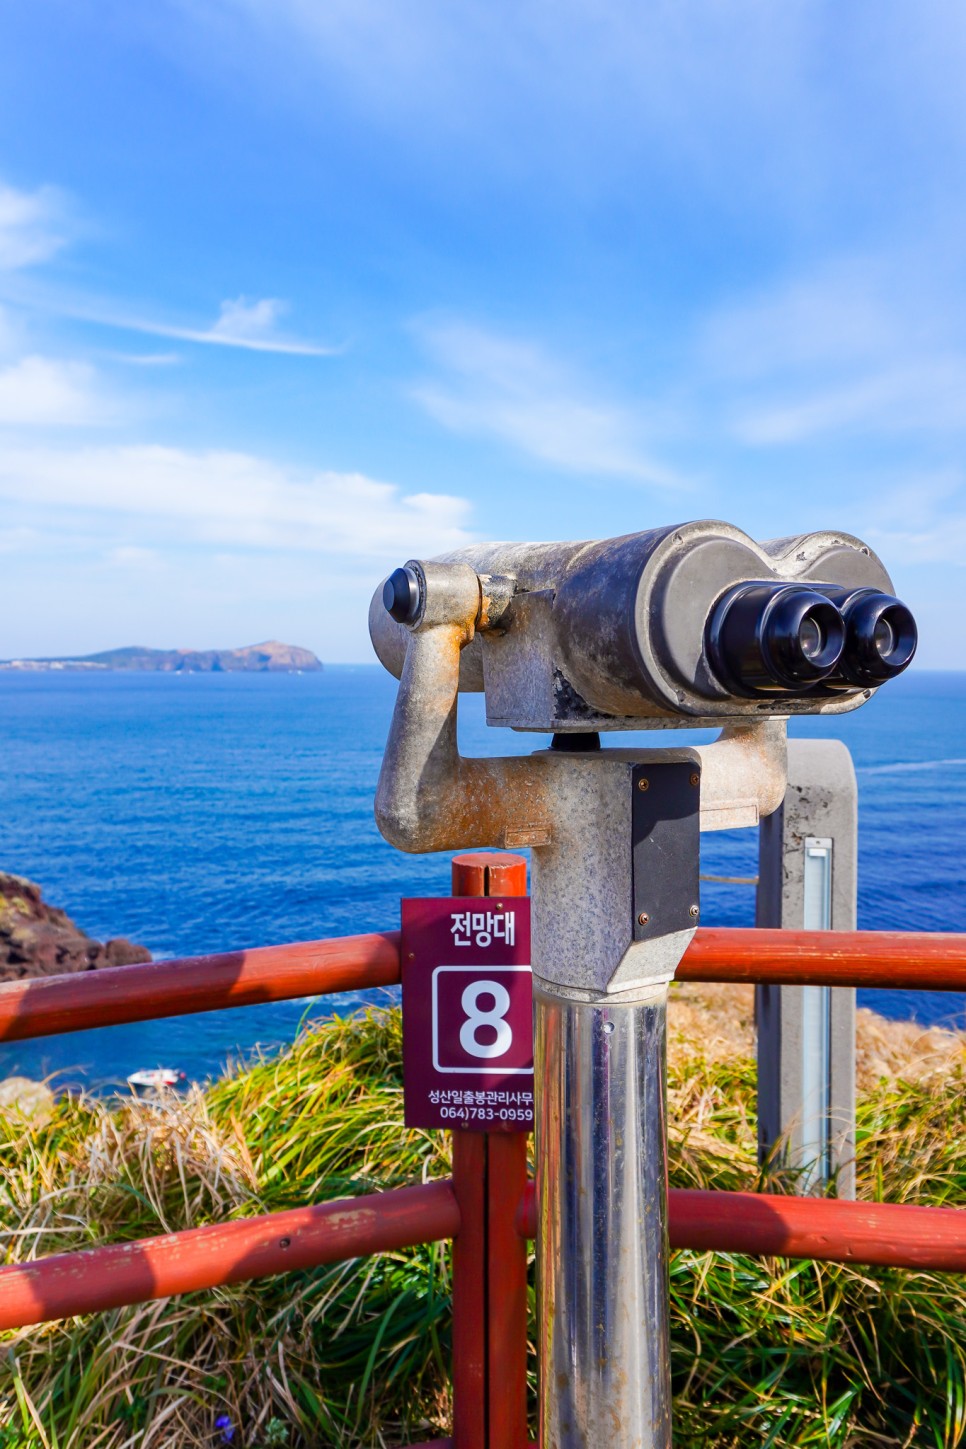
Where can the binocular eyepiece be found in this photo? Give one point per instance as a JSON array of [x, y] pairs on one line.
[[770, 638]]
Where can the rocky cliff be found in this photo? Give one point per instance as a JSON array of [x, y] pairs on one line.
[[39, 940]]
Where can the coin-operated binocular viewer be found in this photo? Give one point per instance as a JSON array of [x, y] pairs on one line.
[[682, 626]]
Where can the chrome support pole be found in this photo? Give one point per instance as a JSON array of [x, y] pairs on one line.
[[601, 1161]]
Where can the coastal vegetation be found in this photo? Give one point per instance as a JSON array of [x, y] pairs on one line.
[[765, 1352]]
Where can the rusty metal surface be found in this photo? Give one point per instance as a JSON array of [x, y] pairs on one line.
[[592, 635], [743, 774], [429, 797], [199, 1258]]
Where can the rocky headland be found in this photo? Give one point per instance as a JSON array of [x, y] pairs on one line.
[[37, 939], [271, 657]]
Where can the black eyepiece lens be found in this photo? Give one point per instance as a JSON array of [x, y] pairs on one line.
[[811, 637], [802, 636], [774, 638], [882, 638], [400, 595], [770, 638]]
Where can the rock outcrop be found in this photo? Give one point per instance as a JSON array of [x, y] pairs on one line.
[[39, 940], [271, 657]]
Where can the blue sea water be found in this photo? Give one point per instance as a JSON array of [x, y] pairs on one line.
[[212, 812]]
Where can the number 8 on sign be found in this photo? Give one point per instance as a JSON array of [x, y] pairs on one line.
[[494, 1020], [482, 1020]]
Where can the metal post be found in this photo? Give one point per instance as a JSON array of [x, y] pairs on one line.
[[806, 1034], [614, 907], [469, 1293], [602, 1221], [490, 1260]]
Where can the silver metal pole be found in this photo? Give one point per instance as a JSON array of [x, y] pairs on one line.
[[602, 1220], [806, 1034]]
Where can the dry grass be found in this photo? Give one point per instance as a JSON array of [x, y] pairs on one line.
[[765, 1353], [719, 1020]]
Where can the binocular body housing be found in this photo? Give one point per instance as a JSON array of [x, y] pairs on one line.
[[670, 627]]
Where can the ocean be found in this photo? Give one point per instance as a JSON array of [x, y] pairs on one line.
[[212, 812]]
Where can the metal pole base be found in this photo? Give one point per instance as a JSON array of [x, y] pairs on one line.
[[601, 1159]]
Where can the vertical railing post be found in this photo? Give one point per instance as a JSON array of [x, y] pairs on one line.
[[489, 1255], [469, 1293], [807, 880]]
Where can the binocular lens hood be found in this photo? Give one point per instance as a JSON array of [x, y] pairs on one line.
[[773, 638], [766, 638], [881, 636]]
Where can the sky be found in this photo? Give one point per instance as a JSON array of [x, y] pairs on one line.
[[293, 290]]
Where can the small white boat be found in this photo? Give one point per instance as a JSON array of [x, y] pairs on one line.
[[156, 1077]]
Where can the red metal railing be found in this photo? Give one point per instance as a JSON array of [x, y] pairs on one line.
[[54, 1004], [122, 1273], [487, 1206]]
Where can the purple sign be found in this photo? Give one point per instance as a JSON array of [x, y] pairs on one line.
[[467, 1013]]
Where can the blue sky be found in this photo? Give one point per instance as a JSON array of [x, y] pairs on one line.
[[290, 291]]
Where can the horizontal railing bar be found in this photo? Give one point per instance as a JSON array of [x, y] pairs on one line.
[[764, 1225], [731, 879], [45, 1006], [934, 961], [448, 1444], [118, 1274]]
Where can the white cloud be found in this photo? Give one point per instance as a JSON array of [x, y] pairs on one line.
[[146, 359], [240, 323], [527, 85], [157, 495], [921, 520], [131, 556], [502, 387], [844, 313], [793, 109], [30, 227], [871, 345], [47, 392], [32, 231], [929, 396], [943, 542], [241, 320]]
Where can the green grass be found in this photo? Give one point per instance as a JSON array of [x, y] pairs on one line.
[[764, 1352]]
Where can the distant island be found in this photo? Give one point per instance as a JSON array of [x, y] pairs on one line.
[[270, 657]]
